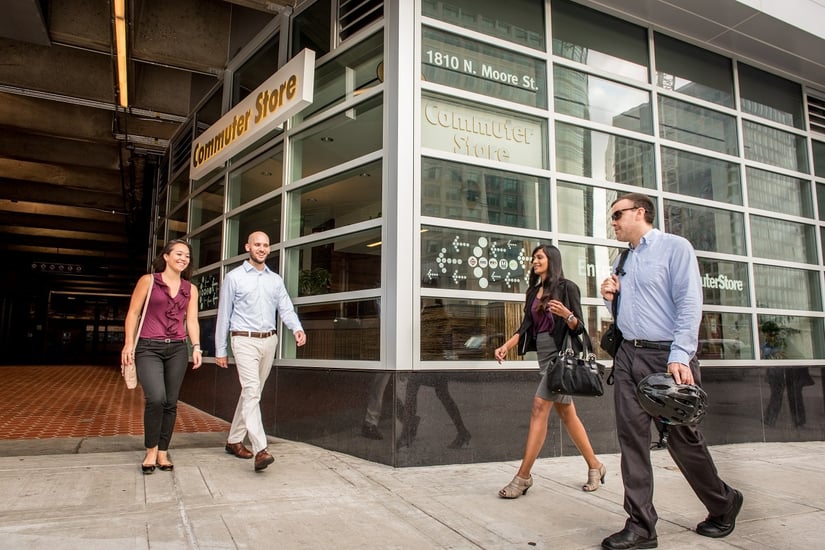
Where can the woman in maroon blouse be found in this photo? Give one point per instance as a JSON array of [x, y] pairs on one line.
[[161, 355]]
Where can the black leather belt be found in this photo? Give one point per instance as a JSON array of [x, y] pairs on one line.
[[660, 345], [252, 334]]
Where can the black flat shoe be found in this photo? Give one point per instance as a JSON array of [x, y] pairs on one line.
[[628, 540], [147, 469], [717, 527], [166, 467]]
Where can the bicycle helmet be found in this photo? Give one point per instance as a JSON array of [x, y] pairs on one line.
[[671, 403]]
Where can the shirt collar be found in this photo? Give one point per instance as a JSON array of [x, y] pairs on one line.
[[247, 265], [648, 239]]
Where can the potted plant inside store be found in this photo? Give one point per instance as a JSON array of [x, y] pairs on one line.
[[314, 281]]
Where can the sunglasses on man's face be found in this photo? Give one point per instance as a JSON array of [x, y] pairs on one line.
[[617, 215]]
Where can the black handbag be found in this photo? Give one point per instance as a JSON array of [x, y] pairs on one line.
[[576, 373], [612, 337]]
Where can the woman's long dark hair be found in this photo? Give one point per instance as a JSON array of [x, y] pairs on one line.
[[159, 264], [555, 274]]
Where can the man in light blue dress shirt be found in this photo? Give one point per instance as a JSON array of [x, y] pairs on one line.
[[251, 297], [660, 310]]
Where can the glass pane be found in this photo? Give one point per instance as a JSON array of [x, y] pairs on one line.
[[264, 217], [207, 205], [482, 132], [177, 222], [782, 240], [785, 288], [701, 177], [697, 126], [462, 63], [706, 228], [690, 70], [207, 326], [162, 206], [259, 67], [470, 260], [599, 40], [519, 21], [586, 265], [344, 199], [592, 98], [475, 193], [583, 209], [210, 112], [178, 189], [771, 97], [312, 28], [820, 199], [462, 330], [343, 264], [785, 337], [339, 330], [209, 289], [775, 147], [605, 157], [724, 283], [206, 246], [332, 142], [348, 75], [254, 180], [779, 193], [819, 159], [725, 336]]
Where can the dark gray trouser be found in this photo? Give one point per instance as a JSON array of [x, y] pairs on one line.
[[686, 444], [160, 370]]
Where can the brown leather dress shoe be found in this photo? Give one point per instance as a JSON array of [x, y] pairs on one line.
[[238, 450], [262, 460]]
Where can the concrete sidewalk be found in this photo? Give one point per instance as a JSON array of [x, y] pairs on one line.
[[95, 497]]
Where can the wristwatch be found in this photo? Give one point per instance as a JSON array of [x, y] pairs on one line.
[[570, 317]]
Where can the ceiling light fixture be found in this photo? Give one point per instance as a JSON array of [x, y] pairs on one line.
[[120, 45]]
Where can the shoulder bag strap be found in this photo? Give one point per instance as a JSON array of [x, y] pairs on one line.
[[145, 306]]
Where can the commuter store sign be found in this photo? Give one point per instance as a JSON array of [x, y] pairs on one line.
[[282, 95]]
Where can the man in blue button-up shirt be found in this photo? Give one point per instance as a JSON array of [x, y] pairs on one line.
[[660, 310], [251, 297]]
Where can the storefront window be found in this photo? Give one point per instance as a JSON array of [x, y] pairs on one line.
[[700, 176], [786, 288], [604, 157], [690, 70], [775, 192], [482, 132], [775, 147], [469, 65], [264, 217], [254, 180], [725, 336], [788, 337], [259, 67], [312, 28], [771, 97], [820, 199], [208, 284], [178, 189], [351, 197], [724, 283], [210, 112], [599, 40], [469, 260], [599, 100], [519, 21], [342, 138], [587, 266], [206, 246], [709, 229], [347, 76], [819, 159], [207, 205], [583, 209], [177, 222], [466, 330], [476, 193], [783, 240], [341, 331], [694, 125], [341, 264]]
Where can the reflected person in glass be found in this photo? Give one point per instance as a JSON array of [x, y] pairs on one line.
[[552, 307]]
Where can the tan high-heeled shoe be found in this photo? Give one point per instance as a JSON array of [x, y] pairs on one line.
[[593, 477], [517, 487]]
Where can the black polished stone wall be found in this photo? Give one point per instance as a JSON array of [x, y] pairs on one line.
[[459, 417]]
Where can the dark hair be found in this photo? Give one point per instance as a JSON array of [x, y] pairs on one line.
[[555, 274], [159, 264], [640, 200]]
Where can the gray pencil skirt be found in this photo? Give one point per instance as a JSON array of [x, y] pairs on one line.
[[546, 351]]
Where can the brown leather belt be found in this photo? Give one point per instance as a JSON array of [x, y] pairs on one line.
[[252, 334]]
